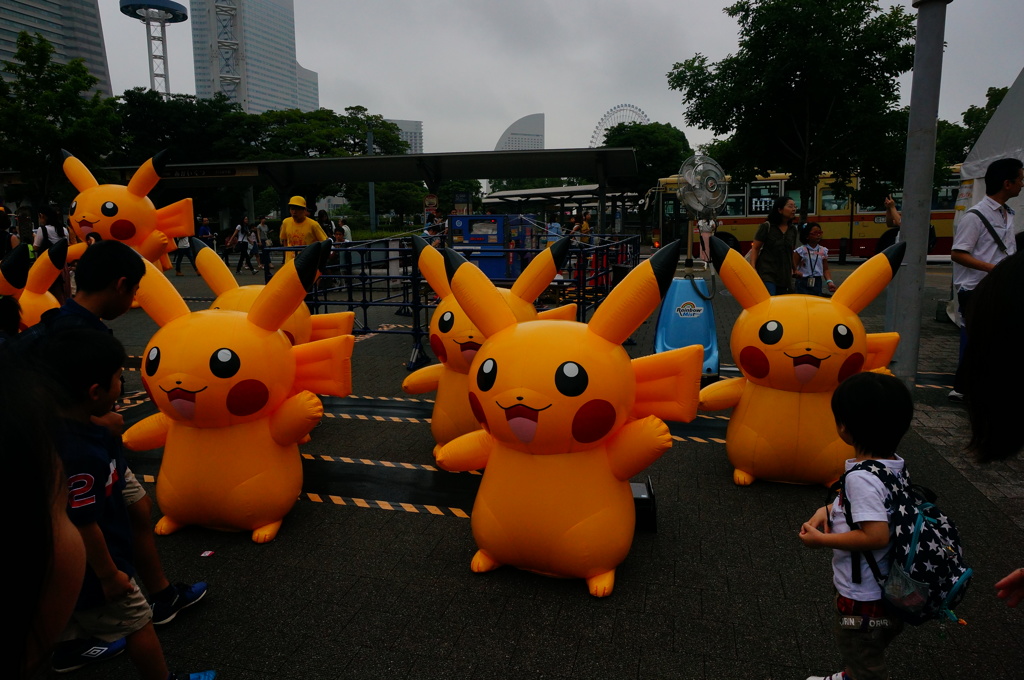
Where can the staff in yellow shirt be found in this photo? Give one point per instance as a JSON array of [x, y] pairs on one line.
[[299, 230]]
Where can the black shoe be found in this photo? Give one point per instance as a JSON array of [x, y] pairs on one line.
[[184, 596], [73, 654]]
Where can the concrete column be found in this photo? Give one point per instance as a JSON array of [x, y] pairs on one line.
[[903, 300]]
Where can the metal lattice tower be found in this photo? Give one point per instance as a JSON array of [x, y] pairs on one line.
[[621, 113], [229, 59], [156, 14]]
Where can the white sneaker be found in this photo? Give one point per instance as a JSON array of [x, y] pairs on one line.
[[841, 675], [955, 396]]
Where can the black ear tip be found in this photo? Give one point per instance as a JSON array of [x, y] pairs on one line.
[[418, 244], [66, 154], [560, 250], [895, 254], [452, 261], [719, 251], [59, 253], [306, 263], [160, 160], [664, 263]]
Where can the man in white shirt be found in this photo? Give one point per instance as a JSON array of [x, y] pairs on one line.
[[978, 247]]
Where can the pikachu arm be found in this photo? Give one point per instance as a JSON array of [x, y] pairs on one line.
[[177, 219], [423, 380], [722, 394], [154, 246], [563, 313], [332, 325], [148, 433], [638, 444], [295, 418], [468, 452], [881, 348]]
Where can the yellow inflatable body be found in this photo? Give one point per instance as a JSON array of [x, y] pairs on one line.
[[234, 397], [567, 419], [455, 340], [300, 327], [125, 213], [793, 351], [34, 294]]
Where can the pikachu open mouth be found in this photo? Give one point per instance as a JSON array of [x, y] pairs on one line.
[[522, 420], [805, 367], [468, 349], [183, 401]]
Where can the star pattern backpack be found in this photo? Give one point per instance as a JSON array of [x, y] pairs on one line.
[[927, 573]]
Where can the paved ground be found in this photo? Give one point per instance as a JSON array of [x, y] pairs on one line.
[[722, 589]]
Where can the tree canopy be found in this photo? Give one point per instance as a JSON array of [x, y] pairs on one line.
[[660, 148], [43, 109], [812, 88]]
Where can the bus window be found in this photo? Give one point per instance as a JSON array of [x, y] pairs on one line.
[[830, 202], [795, 195], [762, 195], [944, 198], [734, 204]]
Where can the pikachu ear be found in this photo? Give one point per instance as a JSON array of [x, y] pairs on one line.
[[215, 273], [77, 173], [14, 270], [431, 265], [541, 271], [158, 297], [868, 280], [146, 177], [738, 276], [563, 313], [477, 296], [287, 289], [636, 296]]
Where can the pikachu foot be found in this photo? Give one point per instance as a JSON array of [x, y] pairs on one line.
[[741, 478], [266, 533], [305, 439], [481, 563], [166, 526], [602, 584]]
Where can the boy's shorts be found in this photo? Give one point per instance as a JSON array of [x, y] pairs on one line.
[[113, 620], [863, 630], [133, 491]]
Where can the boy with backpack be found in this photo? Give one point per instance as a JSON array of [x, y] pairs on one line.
[[110, 606], [872, 412]]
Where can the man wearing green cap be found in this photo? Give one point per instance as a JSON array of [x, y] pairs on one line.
[[299, 230]]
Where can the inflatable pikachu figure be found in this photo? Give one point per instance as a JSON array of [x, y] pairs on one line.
[[14, 270], [235, 397], [125, 213], [34, 295], [455, 340], [793, 351], [299, 328], [567, 420]]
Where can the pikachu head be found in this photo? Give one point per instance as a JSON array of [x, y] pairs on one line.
[[454, 338], [219, 367], [557, 386], [803, 343]]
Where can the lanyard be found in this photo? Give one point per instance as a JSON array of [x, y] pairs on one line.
[[813, 260]]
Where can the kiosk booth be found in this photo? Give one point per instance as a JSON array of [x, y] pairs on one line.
[[495, 243]]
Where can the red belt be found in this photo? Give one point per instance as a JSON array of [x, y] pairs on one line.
[[873, 609]]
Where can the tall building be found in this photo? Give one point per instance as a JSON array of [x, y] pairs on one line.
[[246, 49], [525, 133], [72, 26], [410, 131]]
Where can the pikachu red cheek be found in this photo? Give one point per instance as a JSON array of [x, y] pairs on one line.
[[123, 230], [247, 397], [754, 362], [437, 346], [478, 411], [853, 364], [593, 421]]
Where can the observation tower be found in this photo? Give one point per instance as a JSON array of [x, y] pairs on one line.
[[156, 14]]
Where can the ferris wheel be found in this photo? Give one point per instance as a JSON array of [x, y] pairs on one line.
[[622, 113]]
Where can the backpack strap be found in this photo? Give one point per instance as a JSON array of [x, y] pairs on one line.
[[883, 473], [990, 228]]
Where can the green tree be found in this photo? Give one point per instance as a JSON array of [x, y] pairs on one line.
[[43, 109], [404, 198], [811, 89], [448, 188], [660, 148]]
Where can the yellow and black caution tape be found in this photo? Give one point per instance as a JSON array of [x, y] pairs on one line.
[[377, 463], [386, 505]]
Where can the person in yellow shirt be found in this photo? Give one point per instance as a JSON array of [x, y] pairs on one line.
[[299, 230]]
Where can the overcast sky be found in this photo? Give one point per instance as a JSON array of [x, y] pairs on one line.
[[469, 68]]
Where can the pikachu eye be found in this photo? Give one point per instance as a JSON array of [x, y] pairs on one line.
[[770, 333], [570, 379], [224, 363], [446, 322], [109, 208], [842, 336], [487, 374], [152, 361], [74, 206]]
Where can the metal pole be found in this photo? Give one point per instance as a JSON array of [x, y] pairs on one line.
[[906, 291], [372, 193]]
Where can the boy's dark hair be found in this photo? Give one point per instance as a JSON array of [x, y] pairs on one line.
[[74, 360], [876, 410], [104, 262], [999, 171]]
